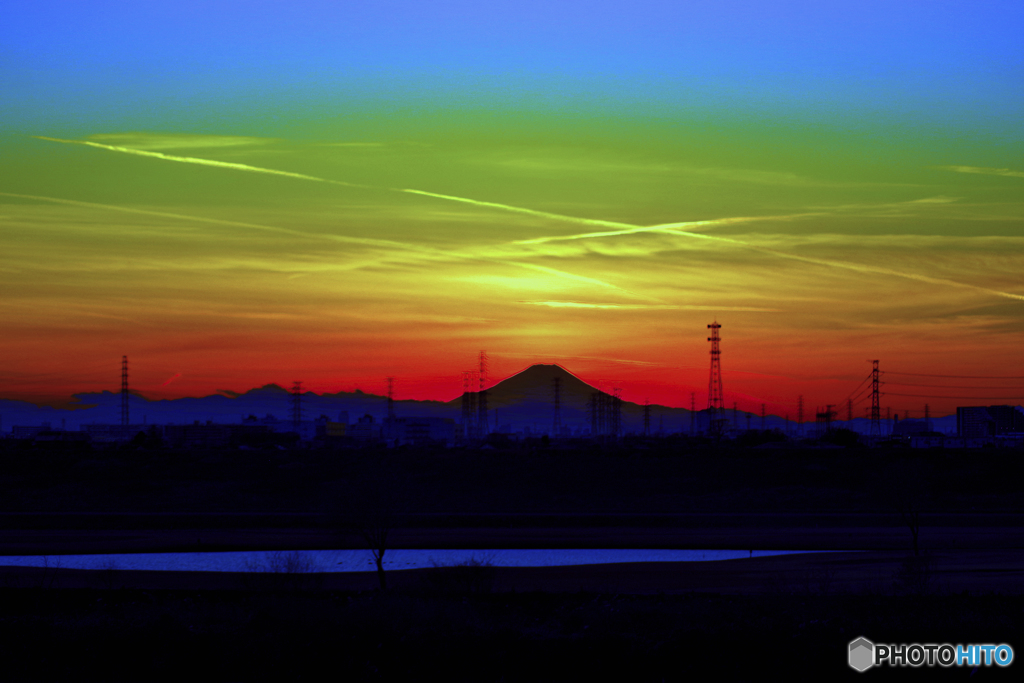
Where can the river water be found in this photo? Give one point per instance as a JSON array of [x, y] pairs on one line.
[[362, 560]]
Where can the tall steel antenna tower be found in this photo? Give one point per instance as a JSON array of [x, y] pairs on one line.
[[482, 399], [800, 415], [616, 401], [296, 405], [124, 391], [762, 417], [647, 417], [849, 410], [557, 422], [693, 410], [391, 399], [876, 411]]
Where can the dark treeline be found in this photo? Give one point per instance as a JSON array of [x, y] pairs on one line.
[[655, 477]]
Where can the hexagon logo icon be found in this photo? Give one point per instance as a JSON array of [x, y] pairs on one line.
[[862, 654]]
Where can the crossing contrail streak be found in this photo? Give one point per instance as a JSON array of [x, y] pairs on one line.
[[625, 227], [859, 267], [618, 228], [664, 227]]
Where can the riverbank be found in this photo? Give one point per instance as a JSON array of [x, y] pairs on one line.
[[72, 535], [864, 573]]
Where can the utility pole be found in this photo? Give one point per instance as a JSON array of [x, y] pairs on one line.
[[800, 415], [557, 422], [296, 405], [482, 399], [693, 411], [876, 428], [124, 392]]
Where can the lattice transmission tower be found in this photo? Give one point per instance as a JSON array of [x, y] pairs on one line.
[[716, 397]]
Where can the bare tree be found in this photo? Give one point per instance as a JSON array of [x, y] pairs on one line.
[[370, 511], [907, 492]]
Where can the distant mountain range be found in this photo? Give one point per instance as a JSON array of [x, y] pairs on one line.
[[525, 399]]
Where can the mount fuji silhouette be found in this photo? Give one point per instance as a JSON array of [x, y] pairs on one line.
[[526, 399]]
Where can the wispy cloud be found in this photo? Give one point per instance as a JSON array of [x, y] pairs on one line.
[[545, 359], [1007, 172], [618, 228], [394, 251], [651, 307], [368, 241], [150, 141]]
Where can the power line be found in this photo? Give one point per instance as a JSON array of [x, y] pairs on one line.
[[972, 398], [948, 386], [858, 388], [914, 374]]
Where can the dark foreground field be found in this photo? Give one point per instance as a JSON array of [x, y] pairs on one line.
[[731, 620], [742, 619], [449, 632]]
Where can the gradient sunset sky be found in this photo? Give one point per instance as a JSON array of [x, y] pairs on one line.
[[238, 193]]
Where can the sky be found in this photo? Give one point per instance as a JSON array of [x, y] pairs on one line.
[[235, 194]]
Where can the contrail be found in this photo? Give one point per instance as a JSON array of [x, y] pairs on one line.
[[202, 162], [530, 212], [619, 228]]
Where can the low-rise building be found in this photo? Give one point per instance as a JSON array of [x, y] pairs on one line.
[[981, 421]]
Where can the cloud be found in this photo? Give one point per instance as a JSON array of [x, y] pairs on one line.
[[151, 141], [1006, 172], [171, 379]]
